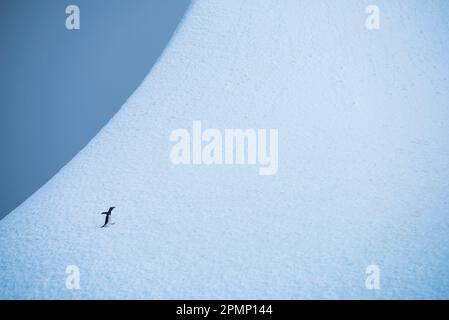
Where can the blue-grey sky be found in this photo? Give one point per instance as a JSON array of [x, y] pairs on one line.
[[59, 87]]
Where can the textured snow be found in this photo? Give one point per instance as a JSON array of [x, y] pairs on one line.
[[363, 119]]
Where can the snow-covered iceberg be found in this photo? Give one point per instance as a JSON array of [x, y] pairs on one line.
[[363, 173]]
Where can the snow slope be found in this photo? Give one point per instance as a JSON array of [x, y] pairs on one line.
[[363, 119]]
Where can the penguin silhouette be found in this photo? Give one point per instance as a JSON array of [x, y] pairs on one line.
[[108, 213]]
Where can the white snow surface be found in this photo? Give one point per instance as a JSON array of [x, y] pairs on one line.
[[363, 119]]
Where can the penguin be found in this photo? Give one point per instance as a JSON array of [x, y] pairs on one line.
[[108, 213]]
